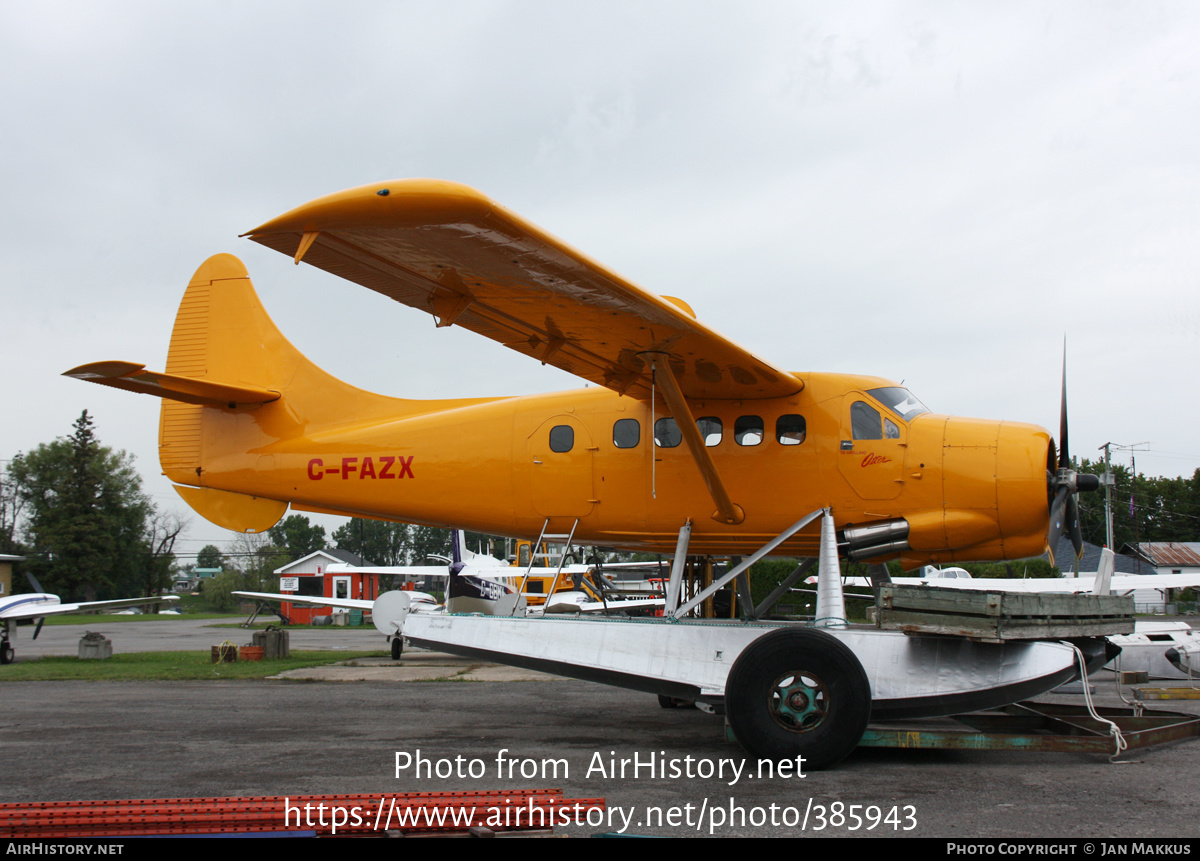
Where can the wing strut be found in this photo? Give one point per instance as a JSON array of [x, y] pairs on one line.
[[727, 511], [750, 560]]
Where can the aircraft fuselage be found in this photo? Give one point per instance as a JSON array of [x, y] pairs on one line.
[[967, 488]]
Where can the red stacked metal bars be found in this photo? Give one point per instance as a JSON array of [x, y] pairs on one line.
[[413, 812]]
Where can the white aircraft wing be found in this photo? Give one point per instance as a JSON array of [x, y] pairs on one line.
[[37, 605], [578, 602], [408, 570], [1062, 585], [310, 600]]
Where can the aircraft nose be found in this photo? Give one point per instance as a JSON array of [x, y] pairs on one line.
[[994, 488], [991, 502], [1023, 454]]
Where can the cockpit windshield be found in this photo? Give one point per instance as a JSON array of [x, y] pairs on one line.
[[900, 401]]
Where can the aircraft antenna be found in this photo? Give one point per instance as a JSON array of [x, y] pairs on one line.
[[653, 437]]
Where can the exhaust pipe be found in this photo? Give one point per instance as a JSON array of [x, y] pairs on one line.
[[874, 539]]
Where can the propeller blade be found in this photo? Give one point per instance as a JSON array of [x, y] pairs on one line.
[[1057, 520], [1064, 456], [1073, 526], [38, 629]]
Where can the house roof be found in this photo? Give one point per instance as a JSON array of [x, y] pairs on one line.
[[1163, 554], [1123, 563], [329, 554]]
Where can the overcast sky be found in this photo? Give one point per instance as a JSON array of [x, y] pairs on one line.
[[931, 192]]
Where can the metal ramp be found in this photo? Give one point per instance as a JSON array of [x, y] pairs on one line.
[[546, 539], [1037, 728]]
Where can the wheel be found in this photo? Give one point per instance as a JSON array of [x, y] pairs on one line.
[[665, 702], [397, 648], [798, 692], [7, 654]]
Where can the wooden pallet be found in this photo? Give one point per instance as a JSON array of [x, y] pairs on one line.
[[998, 616]]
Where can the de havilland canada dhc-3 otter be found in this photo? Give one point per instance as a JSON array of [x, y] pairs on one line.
[[687, 443]]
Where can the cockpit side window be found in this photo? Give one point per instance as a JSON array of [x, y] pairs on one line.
[[667, 433], [748, 430], [900, 401], [627, 433], [711, 429], [562, 438], [790, 429], [865, 421]]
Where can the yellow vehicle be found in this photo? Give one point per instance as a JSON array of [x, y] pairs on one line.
[[687, 442], [682, 424]]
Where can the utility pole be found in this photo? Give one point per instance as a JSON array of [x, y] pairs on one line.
[[1108, 486], [1109, 481]]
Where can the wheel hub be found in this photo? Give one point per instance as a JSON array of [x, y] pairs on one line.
[[798, 701]]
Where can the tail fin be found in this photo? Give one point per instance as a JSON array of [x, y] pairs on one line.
[[458, 552], [222, 335], [226, 359], [1104, 572]]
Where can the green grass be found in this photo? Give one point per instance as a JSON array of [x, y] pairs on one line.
[[274, 622], [107, 618], [220, 620], [167, 666]]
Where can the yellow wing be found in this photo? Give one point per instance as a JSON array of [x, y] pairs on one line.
[[446, 249]]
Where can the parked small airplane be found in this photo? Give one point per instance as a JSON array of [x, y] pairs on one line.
[[1103, 582], [1185, 657], [31, 606], [681, 422], [471, 587], [475, 583], [686, 442], [1149, 649]]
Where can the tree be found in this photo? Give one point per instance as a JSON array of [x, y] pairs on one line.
[[157, 553], [297, 537], [1145, 508], [85, 514], [257, 557], [379, 541], [209, 557], [11, 504], [425, 541]]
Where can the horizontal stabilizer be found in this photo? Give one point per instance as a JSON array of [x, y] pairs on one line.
[[135, 378], [236, 511]]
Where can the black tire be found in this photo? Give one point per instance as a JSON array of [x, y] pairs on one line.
[[798, 692], [665, 702], [397, 648], [7, 654]]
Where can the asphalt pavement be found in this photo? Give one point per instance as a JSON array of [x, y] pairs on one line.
[[382, 728]]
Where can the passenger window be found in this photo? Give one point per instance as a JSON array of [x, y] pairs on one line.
[[748, 430], [790, 430], [627, 433], [711, 429], [666, 433], [864, 421], [562, 438]]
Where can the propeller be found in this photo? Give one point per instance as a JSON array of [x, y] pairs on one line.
[[37, 587], [1064, 483]]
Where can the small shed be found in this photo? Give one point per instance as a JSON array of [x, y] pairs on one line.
[[309, 576], [6, 573], [1165, 557]]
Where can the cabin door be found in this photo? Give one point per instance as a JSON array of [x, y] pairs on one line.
[[559, 459]]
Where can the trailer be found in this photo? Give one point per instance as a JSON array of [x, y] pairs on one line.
[[789, 689]]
